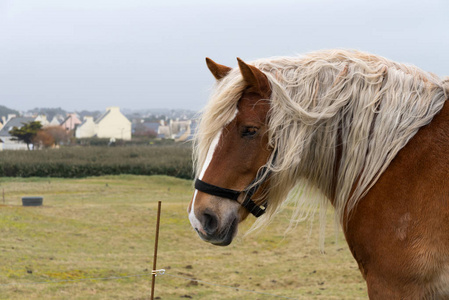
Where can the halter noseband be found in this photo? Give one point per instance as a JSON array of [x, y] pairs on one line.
[[249, 204]]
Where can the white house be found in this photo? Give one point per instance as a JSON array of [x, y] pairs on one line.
[[56, 121], [178, 130], [112, 125], [86, 129], [43, 120]]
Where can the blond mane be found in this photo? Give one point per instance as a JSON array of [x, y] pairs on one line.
[[367, 106]]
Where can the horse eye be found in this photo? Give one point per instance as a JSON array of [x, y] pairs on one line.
[[249, 131]]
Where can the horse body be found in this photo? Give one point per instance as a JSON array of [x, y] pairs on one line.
[[399, 232], [372, 135]]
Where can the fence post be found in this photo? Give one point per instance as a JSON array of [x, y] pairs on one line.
[[156, 240]]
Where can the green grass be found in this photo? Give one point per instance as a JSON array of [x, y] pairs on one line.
[[102, 227]]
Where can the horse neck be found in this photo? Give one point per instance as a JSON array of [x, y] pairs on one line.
[[323, 156]]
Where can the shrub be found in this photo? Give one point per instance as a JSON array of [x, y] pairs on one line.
[[173, 160]]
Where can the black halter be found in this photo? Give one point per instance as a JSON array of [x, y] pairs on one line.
[[249, 204]]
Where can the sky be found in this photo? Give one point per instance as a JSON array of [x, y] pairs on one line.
[[144, 54]]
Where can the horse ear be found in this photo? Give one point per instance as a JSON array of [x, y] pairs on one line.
[[255, 78], [219, 71]]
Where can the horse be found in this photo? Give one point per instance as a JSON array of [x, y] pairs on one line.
[[369, 134]]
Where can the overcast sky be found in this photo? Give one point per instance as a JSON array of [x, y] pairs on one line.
[[137, 54]]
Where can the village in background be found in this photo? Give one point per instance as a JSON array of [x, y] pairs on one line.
[[109, 127]]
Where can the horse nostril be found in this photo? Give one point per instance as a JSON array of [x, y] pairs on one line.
[[210, 223]]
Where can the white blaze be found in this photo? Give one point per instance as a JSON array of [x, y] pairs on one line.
[[210, 154]]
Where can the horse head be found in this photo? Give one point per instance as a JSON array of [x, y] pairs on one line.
[[229, 185]]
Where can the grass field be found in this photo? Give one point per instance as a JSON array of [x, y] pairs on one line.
[[103, 227]]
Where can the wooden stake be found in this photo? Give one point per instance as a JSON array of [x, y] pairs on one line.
[[156, 240]]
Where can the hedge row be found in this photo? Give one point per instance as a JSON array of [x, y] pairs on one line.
[[95, 161]]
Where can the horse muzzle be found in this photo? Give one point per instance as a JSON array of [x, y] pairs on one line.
[[209, 229]]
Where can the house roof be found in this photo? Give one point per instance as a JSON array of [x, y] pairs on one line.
[[102, 117], [180, 133], [57, 120], [66, 119], [14, 122], [108, 111], [70, 116], [82, 123]]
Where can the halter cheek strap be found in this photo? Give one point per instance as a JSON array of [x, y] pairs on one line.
[[214, 190], [249, 204]]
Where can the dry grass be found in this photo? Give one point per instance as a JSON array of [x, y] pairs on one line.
[[104, 227]]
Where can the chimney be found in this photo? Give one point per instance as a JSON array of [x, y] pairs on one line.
[[113, 109]]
